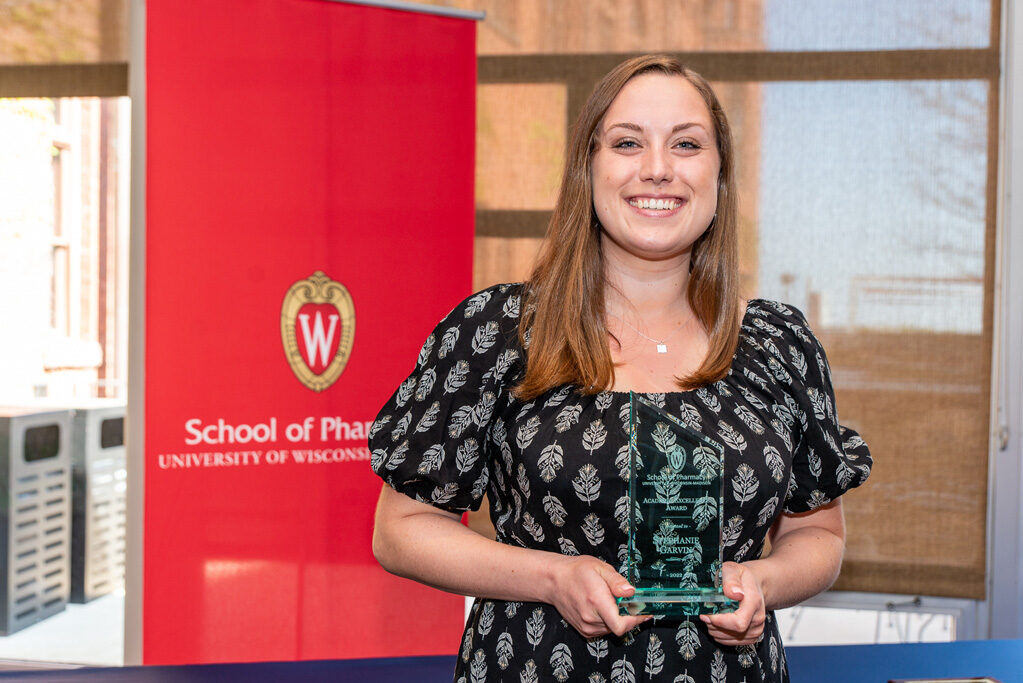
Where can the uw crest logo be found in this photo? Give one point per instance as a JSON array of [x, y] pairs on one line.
[[317, 330]]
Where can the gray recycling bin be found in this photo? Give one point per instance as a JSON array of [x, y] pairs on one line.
[[35, 515], [98, 501]]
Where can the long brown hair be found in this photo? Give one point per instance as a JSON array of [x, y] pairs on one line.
[[563, 324]]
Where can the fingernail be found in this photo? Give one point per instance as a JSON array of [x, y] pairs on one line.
[[704, 618], [739, 595], [628, 587]]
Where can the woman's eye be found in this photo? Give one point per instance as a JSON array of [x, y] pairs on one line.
[[687, 144], [625, 144]]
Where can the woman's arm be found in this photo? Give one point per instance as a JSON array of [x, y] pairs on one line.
[[418, 541], [806, 554]]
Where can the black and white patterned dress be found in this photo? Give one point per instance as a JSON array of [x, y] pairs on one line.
[[555, 471]]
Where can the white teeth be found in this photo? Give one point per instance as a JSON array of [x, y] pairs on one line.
[[659, 204]]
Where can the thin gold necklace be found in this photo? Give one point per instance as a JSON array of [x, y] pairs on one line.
[[662, 345]]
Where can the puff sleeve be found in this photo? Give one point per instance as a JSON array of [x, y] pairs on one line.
[[828, 458], [430, 440]]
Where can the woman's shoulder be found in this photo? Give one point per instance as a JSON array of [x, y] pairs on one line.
[[481, 329], [778, 320], [500, 300]]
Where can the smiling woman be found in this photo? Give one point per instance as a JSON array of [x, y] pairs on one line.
[[522, 394], [655, 179]]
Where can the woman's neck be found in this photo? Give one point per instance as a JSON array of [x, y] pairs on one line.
[[649, 289]]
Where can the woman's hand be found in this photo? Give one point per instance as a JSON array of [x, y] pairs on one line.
[[745, 625], [584, 590]]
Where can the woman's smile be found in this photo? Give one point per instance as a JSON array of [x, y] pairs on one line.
[[656, 206]]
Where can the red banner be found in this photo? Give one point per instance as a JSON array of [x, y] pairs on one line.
[[309, 219]]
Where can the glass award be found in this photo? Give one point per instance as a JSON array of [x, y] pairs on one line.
[[676, 480]]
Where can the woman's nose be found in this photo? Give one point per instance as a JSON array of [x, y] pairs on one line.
[[656, 166]]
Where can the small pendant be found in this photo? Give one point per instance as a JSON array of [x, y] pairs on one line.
[[662, 348]]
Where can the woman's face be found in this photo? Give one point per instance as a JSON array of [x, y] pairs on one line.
[[655, 170]]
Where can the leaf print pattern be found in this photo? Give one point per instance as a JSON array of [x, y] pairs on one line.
[[568, 417], [709, 399], [718, 670], [654, 656], [476, 303], [397, 456], [558, 397], [504, 650], [774, 462], [511, 307], [535, 627], [622, 513], [425, 384], [731, 437], [750, 419], [467, 640], [744, 484], [448, 341], [731, 531], [431, 459], [690, 416], [523, 480], [429, 417], [529, 674], [405, 391], [482, 411], [467, 454], [526, 432], [594, 436], [530, 525], [555, 510], [623, 671], [502, 365], [747, 655], [622, 462], [478, 668], [486, 618], [705, 510], [597, 647], [453, 432], [424, 353], [587, 484], [766, 515], [567, 547], [402, 426], [460, 420], [561, 662], [456, 377], [444, 494], [593, 530], [705, 460], [485, 337], [688, 640], [664, 438], [552, 459]]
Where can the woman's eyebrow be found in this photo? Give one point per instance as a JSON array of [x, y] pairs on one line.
[[675, 129]]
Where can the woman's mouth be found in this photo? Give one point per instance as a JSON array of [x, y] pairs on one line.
[[656, 206]]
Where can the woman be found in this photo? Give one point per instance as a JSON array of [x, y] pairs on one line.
[[522, 393]]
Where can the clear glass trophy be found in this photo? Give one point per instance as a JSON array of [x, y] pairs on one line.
[[676, 480]]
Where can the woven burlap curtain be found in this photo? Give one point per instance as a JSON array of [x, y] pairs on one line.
[[909, 341], [63, 48]]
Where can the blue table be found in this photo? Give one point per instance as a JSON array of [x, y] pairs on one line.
[[1001, 659]]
